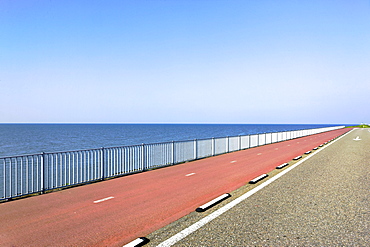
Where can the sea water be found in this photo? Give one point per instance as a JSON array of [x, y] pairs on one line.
[[21, 139]]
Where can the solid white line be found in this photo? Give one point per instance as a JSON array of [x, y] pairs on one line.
[[177, 237], [190, 174], [105, 199]]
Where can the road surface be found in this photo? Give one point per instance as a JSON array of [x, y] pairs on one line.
[[117, 211], [324, 201]]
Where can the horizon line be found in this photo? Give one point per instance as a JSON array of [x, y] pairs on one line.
[[161, 123]]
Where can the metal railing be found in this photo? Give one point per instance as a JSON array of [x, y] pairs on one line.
[[38, 173]]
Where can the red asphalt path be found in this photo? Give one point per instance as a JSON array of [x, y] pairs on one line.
[[115, 212]]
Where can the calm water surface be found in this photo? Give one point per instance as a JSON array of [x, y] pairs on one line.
[[20, 139]]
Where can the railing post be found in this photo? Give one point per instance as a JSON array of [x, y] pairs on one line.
[[227, 144], [43, 173], [213, 146], [143, 156], [173, 152], [10, 178], [239, 142], [102, 163], [195, 149], [4, 180]]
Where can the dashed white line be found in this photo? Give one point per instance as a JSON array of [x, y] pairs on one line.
[[104, 199], [233, 161], [190, 174], [259, 153]]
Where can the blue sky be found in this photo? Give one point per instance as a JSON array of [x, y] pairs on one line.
[[183, 61]]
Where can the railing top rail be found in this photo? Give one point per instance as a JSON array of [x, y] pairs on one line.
[[72, 151], [20, 156]]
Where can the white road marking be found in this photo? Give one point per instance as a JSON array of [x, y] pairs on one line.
[[190, 174], [357, 139], [104, 199], [233, 161], [177, 237], [259, 153]]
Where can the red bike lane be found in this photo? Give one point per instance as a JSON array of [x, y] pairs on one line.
[[116, 211]]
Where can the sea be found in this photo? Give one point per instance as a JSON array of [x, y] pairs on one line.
[[22, 139]]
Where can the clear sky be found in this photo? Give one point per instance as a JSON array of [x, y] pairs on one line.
[[185, 61]]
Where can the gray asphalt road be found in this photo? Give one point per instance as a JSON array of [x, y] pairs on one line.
[[322, 202]]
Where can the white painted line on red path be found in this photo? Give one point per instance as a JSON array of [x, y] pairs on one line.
[[190, 174], [177, 237], [104, 199], [233, 161]]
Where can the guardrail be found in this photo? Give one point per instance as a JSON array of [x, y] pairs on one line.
[[39, 173]]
